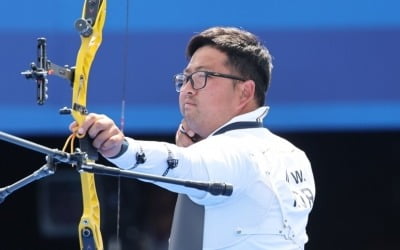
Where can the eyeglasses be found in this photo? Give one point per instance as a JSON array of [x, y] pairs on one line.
[[198, 79]]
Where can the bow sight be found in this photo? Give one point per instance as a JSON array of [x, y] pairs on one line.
[[43, 67]]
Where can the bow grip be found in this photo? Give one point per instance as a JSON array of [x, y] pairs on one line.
[[85, 144]]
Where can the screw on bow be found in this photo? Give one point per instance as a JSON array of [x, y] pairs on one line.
[[85, 25]]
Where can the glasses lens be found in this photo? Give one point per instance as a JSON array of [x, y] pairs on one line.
[[179, 79], [199, 79]]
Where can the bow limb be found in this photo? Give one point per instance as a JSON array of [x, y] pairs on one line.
[[89, 226]]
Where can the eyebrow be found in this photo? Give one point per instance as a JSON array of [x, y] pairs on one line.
[[200, 68]]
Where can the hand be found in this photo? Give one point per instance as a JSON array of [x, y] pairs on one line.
[[107, 137], [185, 136]]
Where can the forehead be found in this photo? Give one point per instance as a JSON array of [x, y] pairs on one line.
[[207, 58]]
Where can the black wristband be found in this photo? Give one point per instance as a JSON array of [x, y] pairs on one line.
[[124, 147]]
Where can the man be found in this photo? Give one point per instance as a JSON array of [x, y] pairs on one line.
[[221, 139]]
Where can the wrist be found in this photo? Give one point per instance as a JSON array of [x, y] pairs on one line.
[[124, 147]]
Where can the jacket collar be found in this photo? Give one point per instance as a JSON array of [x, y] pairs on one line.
[[251, 119]]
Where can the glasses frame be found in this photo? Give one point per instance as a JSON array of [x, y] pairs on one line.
[[181, 79]]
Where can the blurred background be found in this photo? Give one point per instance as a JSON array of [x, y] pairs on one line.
[[335, 93]]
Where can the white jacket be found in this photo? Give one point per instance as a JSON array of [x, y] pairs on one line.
[[273, 185]]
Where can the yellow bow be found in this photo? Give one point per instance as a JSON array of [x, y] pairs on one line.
[[90, 26]]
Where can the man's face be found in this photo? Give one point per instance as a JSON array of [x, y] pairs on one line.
[[208, 108]]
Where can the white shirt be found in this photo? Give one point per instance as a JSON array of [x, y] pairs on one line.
[[273, 185]]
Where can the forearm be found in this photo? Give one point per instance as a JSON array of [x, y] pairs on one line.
[[154, 158]]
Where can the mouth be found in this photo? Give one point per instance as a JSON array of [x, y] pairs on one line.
[[188, 102], [187, 108]]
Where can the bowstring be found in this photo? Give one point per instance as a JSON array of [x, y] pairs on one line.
[[123, 104]]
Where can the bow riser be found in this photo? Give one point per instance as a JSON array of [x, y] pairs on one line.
[[90, 27], [89, 226]]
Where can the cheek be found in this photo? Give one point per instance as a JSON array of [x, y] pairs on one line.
[[180, 99], [220, 97]]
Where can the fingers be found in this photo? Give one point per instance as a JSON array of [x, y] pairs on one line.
[[108, 146], [185, 131], [92, 125], [182, 139], [107, 137], [73, 126], [185, 136], [89, 120]]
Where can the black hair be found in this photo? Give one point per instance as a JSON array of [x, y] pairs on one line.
[[246, 54]]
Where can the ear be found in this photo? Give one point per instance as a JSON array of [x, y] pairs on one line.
[[247, 89]]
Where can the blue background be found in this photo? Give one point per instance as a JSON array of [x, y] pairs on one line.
[[335, 94], [336, 63]]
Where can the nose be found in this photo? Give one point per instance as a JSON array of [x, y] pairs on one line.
[[187, 88]]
